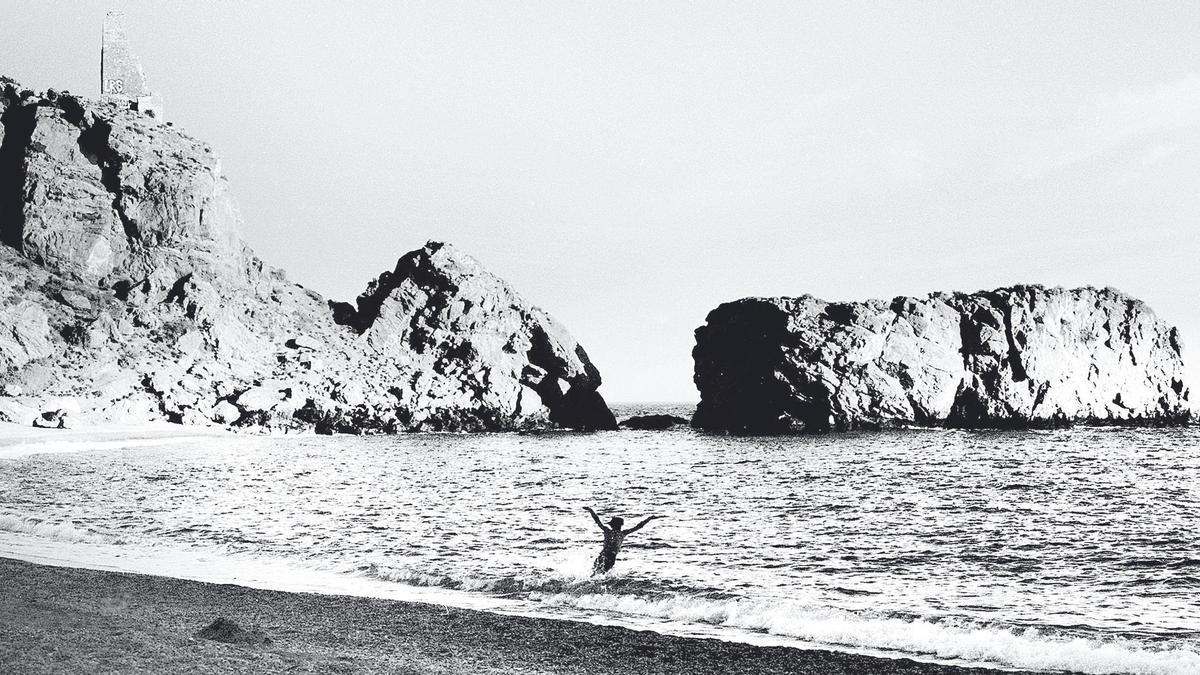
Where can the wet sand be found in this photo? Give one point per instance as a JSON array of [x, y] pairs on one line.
[[65, 620]]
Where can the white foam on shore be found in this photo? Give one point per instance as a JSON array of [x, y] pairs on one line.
[[950, 640], [197, 565], [19, 441], [287, 576], [1026, 649]]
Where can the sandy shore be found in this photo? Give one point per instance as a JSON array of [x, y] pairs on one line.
[[60, 620], [18, 441]]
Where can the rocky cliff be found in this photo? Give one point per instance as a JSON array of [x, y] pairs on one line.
[[1012, 357], [129, 296]]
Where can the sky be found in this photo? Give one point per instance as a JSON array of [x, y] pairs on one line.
[[630, 166]]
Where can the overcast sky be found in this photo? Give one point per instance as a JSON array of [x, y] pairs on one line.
[[629, 166]]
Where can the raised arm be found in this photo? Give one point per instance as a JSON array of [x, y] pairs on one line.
[[596, 518], [640, 525]]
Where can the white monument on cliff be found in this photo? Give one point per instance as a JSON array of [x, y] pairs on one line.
[[121, 75]]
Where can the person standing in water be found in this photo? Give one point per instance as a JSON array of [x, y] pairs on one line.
[[614, 536]]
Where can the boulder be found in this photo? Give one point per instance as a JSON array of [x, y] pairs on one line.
[[1012, 357], [18, 411], [33, 378], [351, 394], [225, 412], [224, 630], [24, 334], [190, 344], [116, 384], [75, 300], [304, 342], [263, 397]]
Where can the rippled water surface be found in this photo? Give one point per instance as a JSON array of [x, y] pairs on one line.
[[1054, 550]]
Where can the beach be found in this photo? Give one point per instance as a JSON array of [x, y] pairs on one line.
[[462, 524], [626, 338], [60, 620]]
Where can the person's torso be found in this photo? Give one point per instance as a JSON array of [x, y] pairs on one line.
[[613, 540]]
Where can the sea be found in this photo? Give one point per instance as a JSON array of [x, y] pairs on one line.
[[1067, 550]]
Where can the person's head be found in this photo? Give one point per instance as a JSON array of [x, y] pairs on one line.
[[616, 523]]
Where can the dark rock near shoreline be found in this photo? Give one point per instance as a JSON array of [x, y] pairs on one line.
[[656, 422], [53, 419], [130, 293], [224, 630], [1013, 357]]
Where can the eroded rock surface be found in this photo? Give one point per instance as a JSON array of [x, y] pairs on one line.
[[128, 291], [1012, 357]]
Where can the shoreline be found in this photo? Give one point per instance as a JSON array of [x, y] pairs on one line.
[[64, 619], [17, 441]]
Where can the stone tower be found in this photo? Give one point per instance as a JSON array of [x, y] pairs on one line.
[[121, 75]]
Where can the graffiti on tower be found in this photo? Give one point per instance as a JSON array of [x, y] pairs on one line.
[[121, 75]]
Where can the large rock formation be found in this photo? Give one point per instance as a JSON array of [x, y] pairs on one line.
[[129, 296], [1012, 357]]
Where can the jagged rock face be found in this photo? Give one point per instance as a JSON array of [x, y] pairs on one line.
[[1013, 357], [472, 342], [129, 294], [106, 195]]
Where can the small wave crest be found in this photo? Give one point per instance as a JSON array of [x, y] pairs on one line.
[[537, 586], [57, 531], [945, 638]]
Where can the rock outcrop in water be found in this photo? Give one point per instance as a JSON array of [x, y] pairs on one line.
[[129, 296], [655, 422], [1012, 357]]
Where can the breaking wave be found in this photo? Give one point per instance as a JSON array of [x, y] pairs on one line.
[[56, 531], [946, 638], [536, 586]]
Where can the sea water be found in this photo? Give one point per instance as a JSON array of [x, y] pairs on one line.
[[1054, 550]]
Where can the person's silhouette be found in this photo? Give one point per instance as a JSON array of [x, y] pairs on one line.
[[614, 536]]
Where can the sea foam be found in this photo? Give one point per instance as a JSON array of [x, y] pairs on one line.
[[56, 531], [950, 638]]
